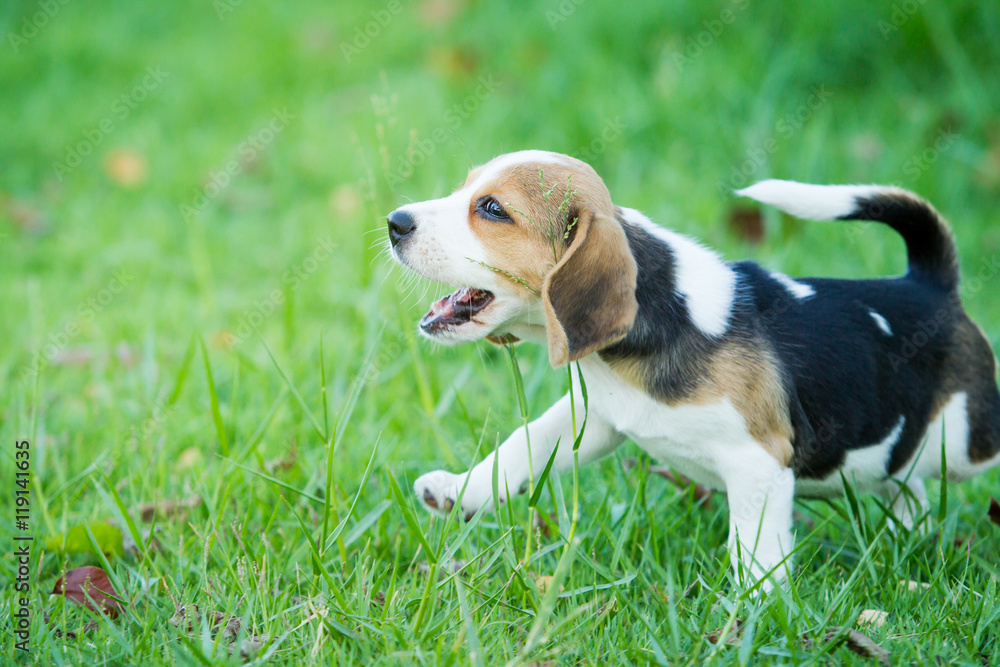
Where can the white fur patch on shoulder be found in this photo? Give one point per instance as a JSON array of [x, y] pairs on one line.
[[799, 290], [882, 323], [812, 202], [706, 282]]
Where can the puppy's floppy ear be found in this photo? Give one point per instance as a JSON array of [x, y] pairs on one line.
[[590, 294]]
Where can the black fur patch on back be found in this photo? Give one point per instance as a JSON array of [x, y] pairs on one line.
[[853, 380]]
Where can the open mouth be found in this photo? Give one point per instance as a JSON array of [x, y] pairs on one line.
[[458, 308]]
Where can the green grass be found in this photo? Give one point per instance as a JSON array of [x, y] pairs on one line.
[[253, 349]]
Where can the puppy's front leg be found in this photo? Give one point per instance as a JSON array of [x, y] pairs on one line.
[[439, 490], [760, 493]]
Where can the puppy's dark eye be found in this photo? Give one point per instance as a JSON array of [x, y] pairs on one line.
[[491, 208]]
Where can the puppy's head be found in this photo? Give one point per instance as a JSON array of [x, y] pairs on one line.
[[532, 242]]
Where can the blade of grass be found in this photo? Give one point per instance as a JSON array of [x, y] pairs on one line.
[[536, 635], [411, 521], [339, 428], [125, 516], [182, 373], [262, 427], [540, 484], [366, 522], [322, 387], [295, 392], [361, 488], [318, 562], [943, 502], [220, 428], [273, 480], [471, 634]]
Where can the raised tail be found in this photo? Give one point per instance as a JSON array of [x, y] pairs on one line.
[[929, 243]]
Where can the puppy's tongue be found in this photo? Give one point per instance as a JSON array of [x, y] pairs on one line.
[[456, 309]]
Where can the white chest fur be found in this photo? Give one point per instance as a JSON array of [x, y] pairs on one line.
[[697, 440]]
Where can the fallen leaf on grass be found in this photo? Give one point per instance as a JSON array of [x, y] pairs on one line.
[[164, 509], [90, 587], [544, 582], [76, 540], [873, 617], [188, 619], [914, 586], [87, 628], [747, 224], [864, 646], [189, 458], [126, 167], [855, 642], [732, 637], [994, 511]]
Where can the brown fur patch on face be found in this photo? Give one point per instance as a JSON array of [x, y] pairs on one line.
[[531, 247], [745, 372], [564, 243]]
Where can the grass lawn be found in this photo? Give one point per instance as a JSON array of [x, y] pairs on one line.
[[218, 371]]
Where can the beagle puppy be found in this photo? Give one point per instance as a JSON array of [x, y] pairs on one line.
[[746, 380]]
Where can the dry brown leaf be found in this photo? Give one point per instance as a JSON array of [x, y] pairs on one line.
[[224, 340], [189, 458], [164, 509], [914, 586], [732, 638], [544, 582], [864, 646], [87, 628], [874, 617], [856, 642], [994, 511], [747, 224], [90, 587], [188, 619], [126, 167]]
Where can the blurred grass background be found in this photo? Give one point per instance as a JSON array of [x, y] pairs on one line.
[[232, 162]]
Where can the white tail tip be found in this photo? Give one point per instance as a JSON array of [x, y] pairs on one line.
[[812, 202]]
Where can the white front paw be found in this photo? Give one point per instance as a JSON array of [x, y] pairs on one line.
[[439, 490]]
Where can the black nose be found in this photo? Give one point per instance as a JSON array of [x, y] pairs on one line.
[[400, 225]]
